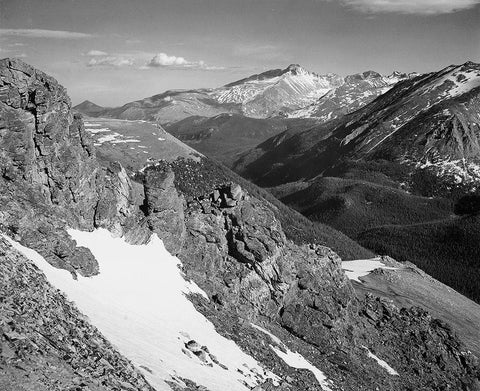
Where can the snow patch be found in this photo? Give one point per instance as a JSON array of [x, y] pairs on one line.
[[273, 337], [139, 303], [296, 360], [129, 140], [363, 267], [108, 138], [382, 363]]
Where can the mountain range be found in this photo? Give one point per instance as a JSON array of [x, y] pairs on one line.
[[227, 121], [132, 261], [291, 92]]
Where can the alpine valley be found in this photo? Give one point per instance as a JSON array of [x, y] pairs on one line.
[[285, 232]]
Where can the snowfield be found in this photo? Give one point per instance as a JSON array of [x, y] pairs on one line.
[[363, 267], [139, 303]]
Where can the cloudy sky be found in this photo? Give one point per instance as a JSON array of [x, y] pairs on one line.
[[115, 51]]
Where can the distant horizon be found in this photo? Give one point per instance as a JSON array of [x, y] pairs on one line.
[[116, 51]]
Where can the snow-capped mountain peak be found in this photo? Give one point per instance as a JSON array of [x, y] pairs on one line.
[[270, 92], [293, 91]]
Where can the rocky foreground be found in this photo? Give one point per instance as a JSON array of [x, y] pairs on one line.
[[46, 343], [230, 244]]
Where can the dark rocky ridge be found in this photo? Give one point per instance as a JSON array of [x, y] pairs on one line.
[[231, 244]]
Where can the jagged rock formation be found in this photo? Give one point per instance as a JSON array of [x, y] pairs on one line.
[[231, 244], [164, 207]]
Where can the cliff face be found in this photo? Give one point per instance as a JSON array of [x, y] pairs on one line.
[[230, 243], [50, 177], [47, 148]]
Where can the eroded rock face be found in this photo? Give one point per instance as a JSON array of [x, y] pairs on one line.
[[42, 143], [240, 254]]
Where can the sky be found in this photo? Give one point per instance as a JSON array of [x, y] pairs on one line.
[[115, 51]]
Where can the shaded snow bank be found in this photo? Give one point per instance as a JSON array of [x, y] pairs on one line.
[[296, 360], [138, 303]]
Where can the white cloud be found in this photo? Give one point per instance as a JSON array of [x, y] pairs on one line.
[[163, 60], [96, 53], [39, 33], [421, 7], [110, 62]]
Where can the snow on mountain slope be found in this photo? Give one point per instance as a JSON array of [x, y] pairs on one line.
[[135, 143], [292, 91], [295, 359], [382, 363], [363, 267], [430, 120], [454, 80], [353, 93], [138, 302], [293, 88]]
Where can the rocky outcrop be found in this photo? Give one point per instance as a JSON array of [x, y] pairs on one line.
[[50, 178], [46, 344], [42, 143], [235, 250], [163, 207]]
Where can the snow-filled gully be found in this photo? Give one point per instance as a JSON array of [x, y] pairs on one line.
[[138, 302]]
